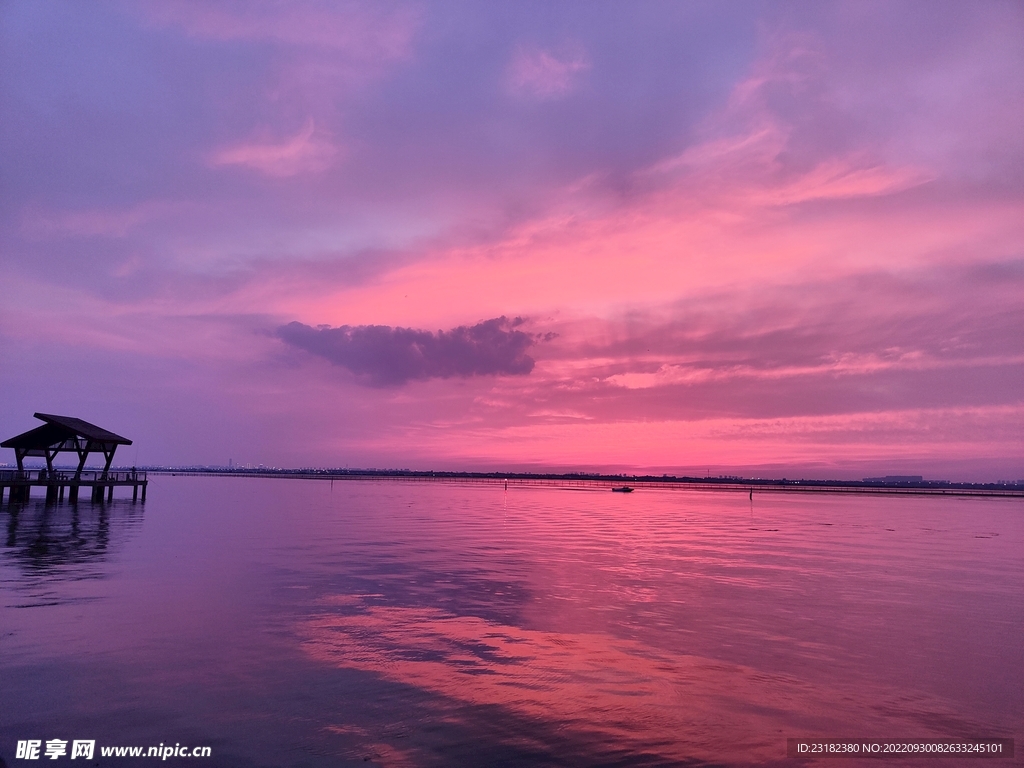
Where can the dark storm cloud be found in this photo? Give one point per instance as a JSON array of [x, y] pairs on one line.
[[382, 356]]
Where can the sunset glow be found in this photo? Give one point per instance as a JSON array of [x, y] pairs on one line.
[[749, 238]]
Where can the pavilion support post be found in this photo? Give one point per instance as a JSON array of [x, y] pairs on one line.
[[51, 494], [73, 494], [110, 492], [1, 494], [60, 493], [135, 493], [109, 456], [144, 484]]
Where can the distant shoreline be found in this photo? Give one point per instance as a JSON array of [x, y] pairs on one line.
[[582, 481]]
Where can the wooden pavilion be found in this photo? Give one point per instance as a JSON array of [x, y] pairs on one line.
[[66, 434]]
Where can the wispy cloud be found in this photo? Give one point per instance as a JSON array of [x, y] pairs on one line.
[[308, 151], [782, 138], [546, 74], [365, 31], [848, 340], [95, 222]]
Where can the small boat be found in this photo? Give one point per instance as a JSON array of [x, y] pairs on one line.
[[623, 489]]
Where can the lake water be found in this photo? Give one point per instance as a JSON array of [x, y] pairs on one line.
[[299, 623]]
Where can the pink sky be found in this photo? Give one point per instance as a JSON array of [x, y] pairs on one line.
[[752, 238]]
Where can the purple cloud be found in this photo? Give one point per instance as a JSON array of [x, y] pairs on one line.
[[382, 356]]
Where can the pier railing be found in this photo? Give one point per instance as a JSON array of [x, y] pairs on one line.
[[68, 477]]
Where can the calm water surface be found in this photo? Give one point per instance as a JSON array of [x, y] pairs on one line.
[[292, 623]]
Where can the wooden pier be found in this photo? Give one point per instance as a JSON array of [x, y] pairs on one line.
[[67, 434], [16, 485]]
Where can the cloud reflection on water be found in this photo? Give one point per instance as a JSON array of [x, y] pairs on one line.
[[617, 694]]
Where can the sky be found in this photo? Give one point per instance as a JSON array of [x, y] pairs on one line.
[[778, 239]]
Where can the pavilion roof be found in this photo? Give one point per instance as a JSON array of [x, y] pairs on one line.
[[58, 429]]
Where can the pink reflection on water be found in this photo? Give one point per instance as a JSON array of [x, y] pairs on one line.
[[611, 691]]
